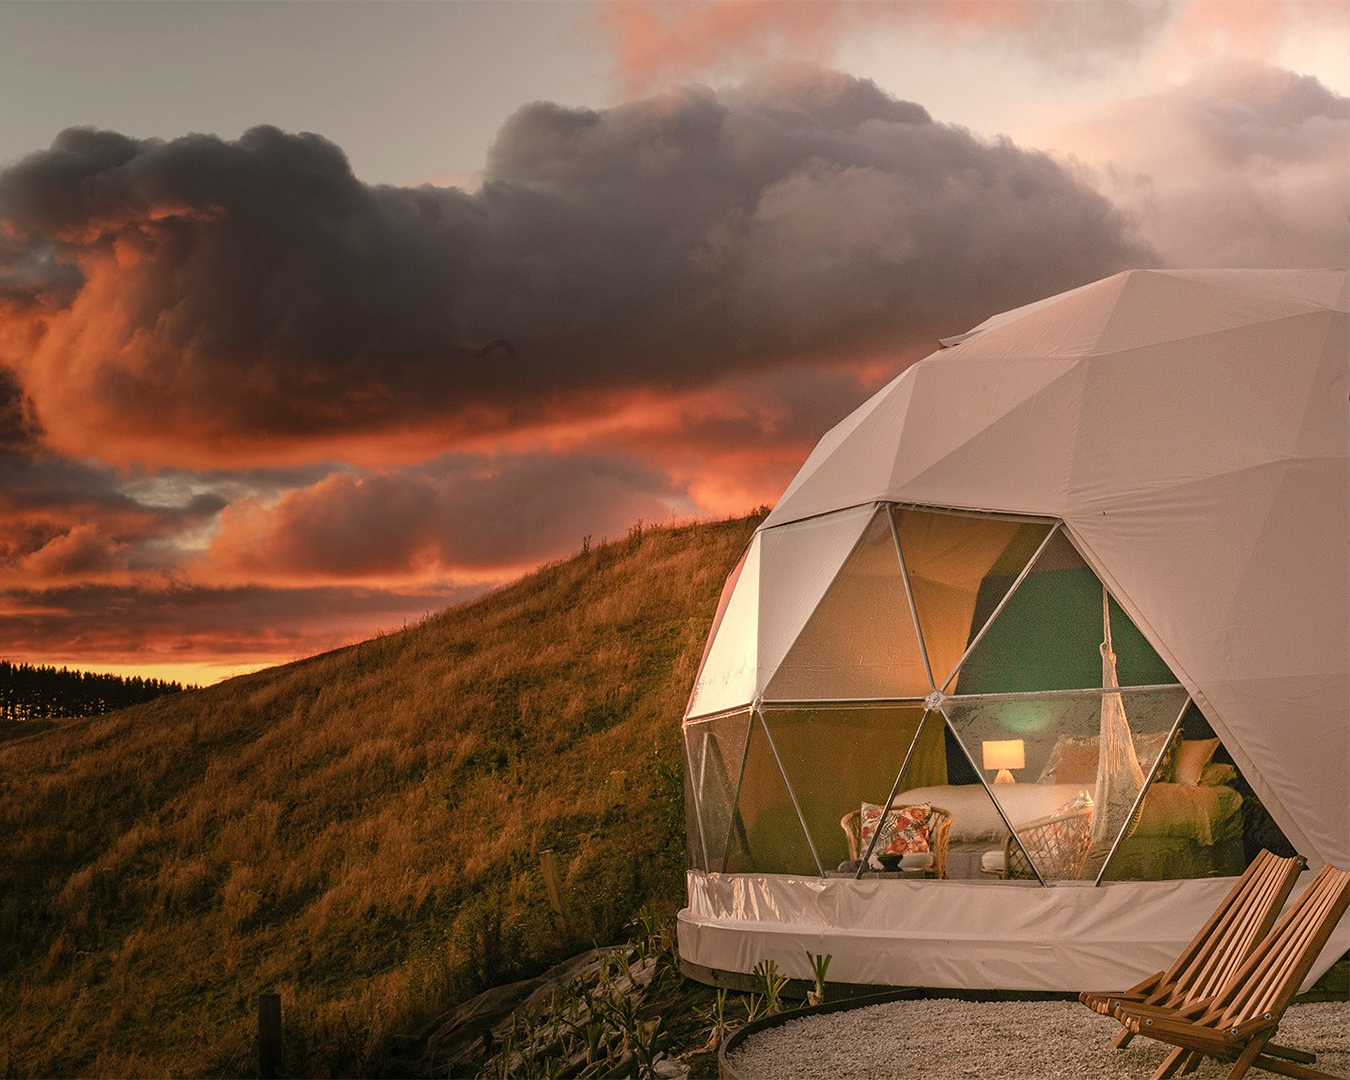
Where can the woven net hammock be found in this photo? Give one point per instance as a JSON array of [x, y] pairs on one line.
[[1119, 776]]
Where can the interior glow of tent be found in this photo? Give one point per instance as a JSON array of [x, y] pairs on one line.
[[1110, 527]]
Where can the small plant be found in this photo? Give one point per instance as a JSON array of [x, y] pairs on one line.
[[650, 923], [623, 1014], [652, 939], [595, 1039], [715, 1016], [819, 965], [647, 1040], [771, 983], [501, 1063]]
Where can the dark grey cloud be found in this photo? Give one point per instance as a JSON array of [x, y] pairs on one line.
[[242, 299]]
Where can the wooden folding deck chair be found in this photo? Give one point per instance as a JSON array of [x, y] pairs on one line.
[[1238, 924], [1238, 1023]]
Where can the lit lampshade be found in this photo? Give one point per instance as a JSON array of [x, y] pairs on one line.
[[1004, 754]]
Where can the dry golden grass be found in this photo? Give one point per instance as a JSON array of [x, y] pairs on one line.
[[359, 831]]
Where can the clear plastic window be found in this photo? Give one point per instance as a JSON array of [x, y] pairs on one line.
[[838, 757], [714, 752]]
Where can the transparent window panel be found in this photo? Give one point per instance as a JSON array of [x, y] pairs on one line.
[[1198, 818], [766, 833], [714, 750], [1048, 635], [959, 567], [1072, 782], [693, 835], [838, 757], [977, 826], [860, 641]]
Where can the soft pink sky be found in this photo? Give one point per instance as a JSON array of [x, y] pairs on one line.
[[251, 406]]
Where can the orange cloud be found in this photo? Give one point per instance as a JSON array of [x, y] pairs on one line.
[[129, 627], [661, 40], [81, 553], [467, 521]]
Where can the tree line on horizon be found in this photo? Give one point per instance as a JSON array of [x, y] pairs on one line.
[[29, 692]]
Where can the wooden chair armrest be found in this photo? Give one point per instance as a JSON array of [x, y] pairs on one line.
[[1113, 998], [1251, 1027], [1179, 1032], [1138, 992], [1144, 1011]]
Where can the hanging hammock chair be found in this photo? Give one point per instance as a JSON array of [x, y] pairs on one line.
[[1119, 776]]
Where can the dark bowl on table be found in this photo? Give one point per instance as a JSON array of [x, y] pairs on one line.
[[889, 862]]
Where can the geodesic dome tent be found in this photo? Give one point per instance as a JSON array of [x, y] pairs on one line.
[[1107, 534]]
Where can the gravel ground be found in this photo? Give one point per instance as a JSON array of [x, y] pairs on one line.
[[936, 1039]]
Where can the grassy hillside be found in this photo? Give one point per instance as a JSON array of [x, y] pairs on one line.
[[359, 831]]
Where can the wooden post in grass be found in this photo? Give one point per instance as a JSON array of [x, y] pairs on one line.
[[548, 863], [269, 1036]]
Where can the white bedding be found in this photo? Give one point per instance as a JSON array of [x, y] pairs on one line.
[[974, 817]]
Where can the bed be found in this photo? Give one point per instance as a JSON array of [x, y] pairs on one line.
[[1184, 830]]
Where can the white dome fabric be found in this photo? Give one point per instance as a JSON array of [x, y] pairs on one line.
[[1191, 429]]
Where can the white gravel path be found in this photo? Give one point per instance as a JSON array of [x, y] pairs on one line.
[[941, 1038]]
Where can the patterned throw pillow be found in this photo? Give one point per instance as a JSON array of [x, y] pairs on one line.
[[905, 831]]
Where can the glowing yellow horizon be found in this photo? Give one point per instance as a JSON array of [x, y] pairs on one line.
[[187, 672]]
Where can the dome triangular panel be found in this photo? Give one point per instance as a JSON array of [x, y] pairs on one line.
[[860, 641]]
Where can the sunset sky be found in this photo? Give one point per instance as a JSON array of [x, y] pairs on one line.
[[258, 262]]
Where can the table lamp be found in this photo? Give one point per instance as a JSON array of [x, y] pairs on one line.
[[1003, 755]]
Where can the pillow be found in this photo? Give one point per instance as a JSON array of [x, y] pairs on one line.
[[1167, 766], [905, 830], [1074, 757], [1072, 761], [1191, 758], [1212, 775], [1149, 745]]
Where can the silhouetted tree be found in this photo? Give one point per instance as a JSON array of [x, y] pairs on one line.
[[29, 692]]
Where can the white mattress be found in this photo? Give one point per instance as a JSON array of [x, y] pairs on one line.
[[974, 816]]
